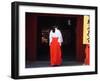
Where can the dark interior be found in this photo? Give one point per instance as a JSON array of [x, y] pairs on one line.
[[67, 26]]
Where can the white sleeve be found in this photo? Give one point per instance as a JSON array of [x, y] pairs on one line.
[[50, 37], [60, 40]]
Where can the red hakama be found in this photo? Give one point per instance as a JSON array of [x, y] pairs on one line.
[[55, 52]]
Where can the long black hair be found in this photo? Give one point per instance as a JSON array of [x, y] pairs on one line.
[[53, 28]]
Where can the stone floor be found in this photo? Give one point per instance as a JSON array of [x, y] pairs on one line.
[[47, 64]]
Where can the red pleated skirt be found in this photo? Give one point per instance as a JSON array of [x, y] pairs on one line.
[[55, 52]]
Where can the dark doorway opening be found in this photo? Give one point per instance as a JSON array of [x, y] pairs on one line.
[[67, 26]]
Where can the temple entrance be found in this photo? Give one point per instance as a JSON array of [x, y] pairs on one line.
[[37, 39], [67, 26]]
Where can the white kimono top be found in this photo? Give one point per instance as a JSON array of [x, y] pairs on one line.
[[58, 34]]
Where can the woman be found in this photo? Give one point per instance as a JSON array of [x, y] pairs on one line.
[[55, 41]]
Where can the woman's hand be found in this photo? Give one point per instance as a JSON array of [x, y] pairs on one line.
[[60, 43]]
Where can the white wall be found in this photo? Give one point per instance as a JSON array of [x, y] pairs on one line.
[[5, 40]]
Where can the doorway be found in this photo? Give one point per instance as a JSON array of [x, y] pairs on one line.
[[67, 26]]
